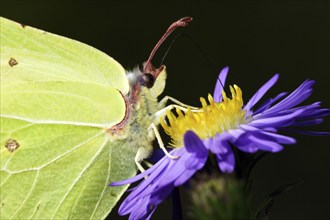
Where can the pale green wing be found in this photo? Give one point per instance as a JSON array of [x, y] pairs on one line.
[[49, 57], [58, 97]]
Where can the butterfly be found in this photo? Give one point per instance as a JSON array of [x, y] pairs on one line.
[[72, 120]]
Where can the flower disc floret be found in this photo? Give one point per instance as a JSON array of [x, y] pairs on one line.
[[209, 120]]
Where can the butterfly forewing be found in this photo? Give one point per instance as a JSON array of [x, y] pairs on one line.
[[58, 98]]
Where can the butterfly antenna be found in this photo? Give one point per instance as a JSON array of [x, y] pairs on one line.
[[198, 47], [179, 23]]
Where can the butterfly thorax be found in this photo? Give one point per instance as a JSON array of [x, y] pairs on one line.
[[141, 106]]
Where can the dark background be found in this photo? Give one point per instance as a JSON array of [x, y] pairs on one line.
[[256, 39]]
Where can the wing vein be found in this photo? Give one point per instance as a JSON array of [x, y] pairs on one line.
[[57, 122], [80, 175], [56, 158], [34, 92], [3, 182], [27, 196], [104, 188]]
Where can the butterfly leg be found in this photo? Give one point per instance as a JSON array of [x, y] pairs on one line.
[[164, 100], [138, 164], [162, 112], [148, 164], [153, 130], [142, 154]]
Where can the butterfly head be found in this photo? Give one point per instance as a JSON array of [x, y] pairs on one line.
[[148, 76]]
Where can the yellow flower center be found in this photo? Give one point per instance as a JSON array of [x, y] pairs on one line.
[[207, 121]]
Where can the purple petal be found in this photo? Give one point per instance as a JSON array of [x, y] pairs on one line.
[[320, 113], [247, 147], [313, 111], [176, 169], [251, 144], [308, 123], [295, 98], [192, 160], [167, 173], [142, 190], [261, 92], [141, 210], [132, 207], [279, 121], [235, 134], [195, 163], [248, 127], [147, 185], [310, 111], [193, 144], [269, 102], [315, 133], [270, 129], [217, 95], [278, 138], [184, 177], [268, 135], [226, 162], [161, 194], [218, 144]]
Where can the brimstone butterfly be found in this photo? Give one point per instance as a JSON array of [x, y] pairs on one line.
[[72, 121]]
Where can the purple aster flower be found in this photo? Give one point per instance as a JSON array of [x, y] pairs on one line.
[[166, 174], [217, 127]]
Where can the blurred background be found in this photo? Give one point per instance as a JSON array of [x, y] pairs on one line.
[[255, 39]]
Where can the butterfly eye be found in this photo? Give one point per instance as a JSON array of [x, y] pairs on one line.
[[147, 80]]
